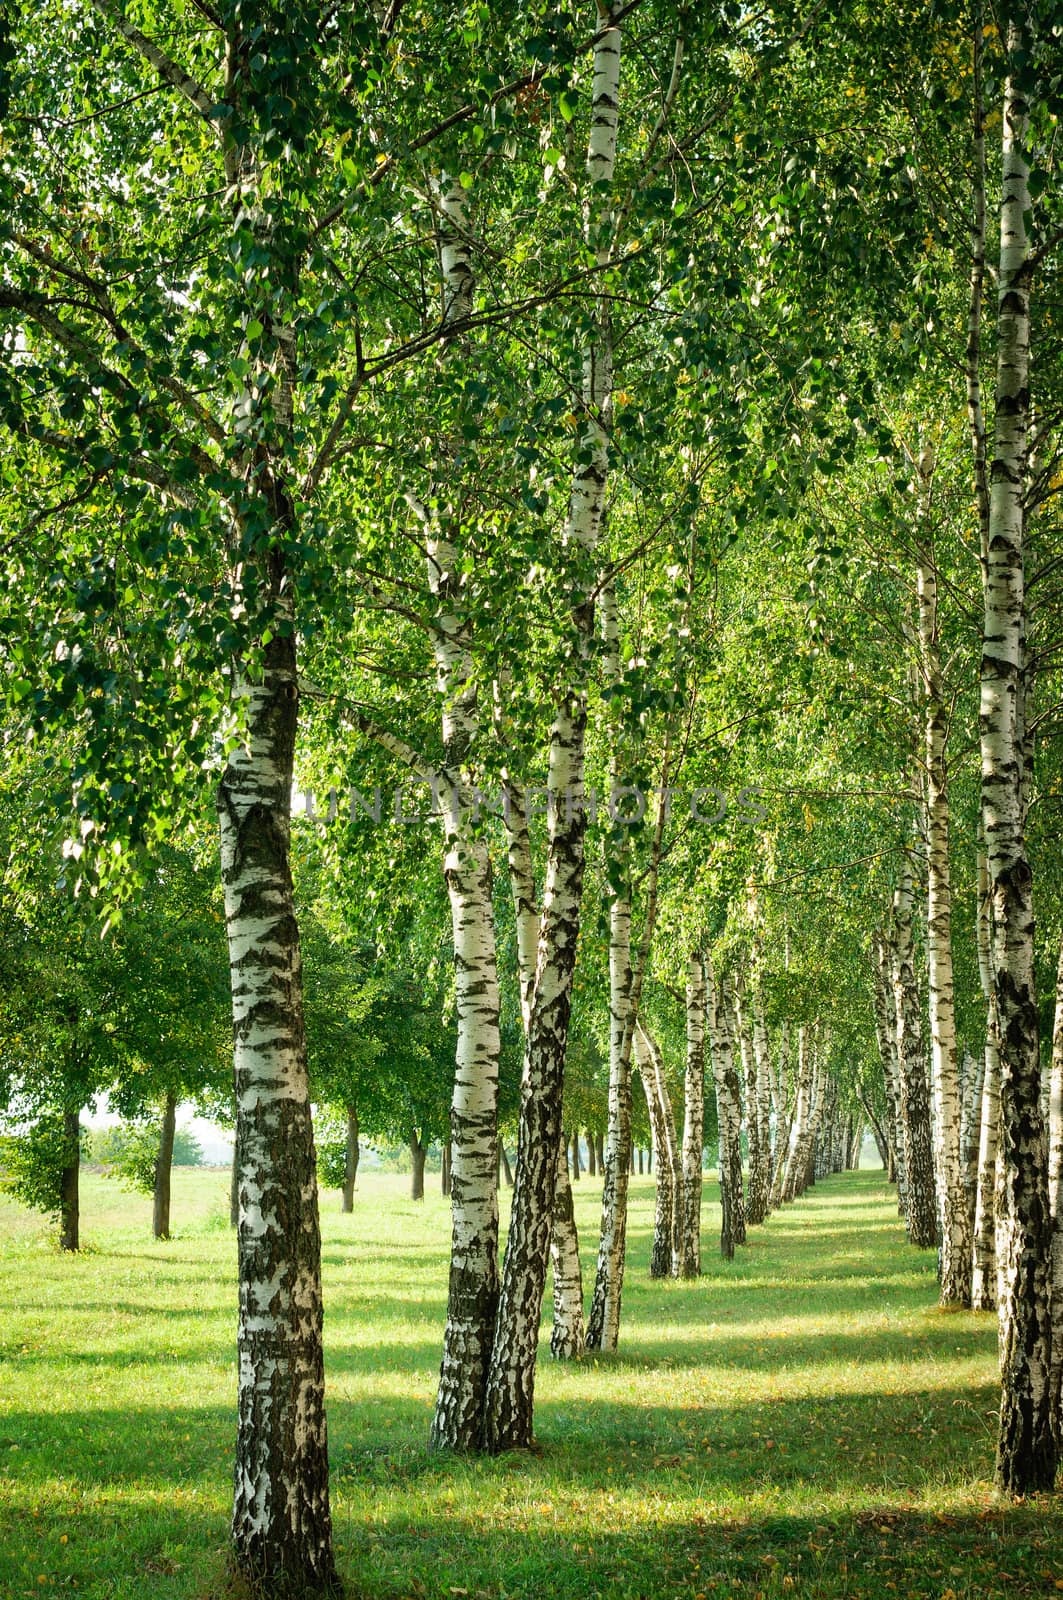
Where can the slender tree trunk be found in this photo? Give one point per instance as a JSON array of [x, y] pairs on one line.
[[1026, 1448], [693, 1120], [1055, 1199], [784, 1111], [984, 1278], [445, 1180], [954, 1267], [763, 1085], [69, 1185], [972, 1079], [281, 1527], [914, 1099], [799, 1133], [575, 1157], [599, 1150], [604, 1329], [160, 1213], [886, 1033], [511, 1383], [472, 1297], [662, 1126], [729, 1116], [350, 1163], [592, 1161], [567, 1335], [507, 1170], [757, 1190]]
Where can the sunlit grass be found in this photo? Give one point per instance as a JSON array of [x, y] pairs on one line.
[[801, 1421]]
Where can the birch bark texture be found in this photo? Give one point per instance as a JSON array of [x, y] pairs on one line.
[[954, 1272], [693, 1120], [914, 1100], [281, 1524], [1026, 1447], [728, 1114], [472, 1295], [509, 1403]]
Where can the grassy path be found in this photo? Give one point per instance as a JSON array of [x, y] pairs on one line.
[[802, 1421]]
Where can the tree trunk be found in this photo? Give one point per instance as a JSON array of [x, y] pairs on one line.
[[604, 1330], [886, 1033], [757, 1189], [445, 1179], [693, 1121], [471, 1175], [507, 1170], [418, 1152], [69, 1185], [783, 1111], [234, 1190], [663, 1259], [575, 1157], [160, 1214], [799, 1132], [350, 1164], [1026, 1450], [911, 1071], [763, 1088], [281, 1526], [511, 1384], [984, 1295], [954, 1264], [592, 1163], [972, 1080], [1055, 1197], [567, 1334], [729, 1116], [599, 1149]]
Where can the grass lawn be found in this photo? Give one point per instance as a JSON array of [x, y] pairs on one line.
[[802, 1421]]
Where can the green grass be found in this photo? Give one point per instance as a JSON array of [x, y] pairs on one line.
[[802, 1421]]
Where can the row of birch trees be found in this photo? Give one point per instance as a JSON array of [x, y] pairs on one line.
[[574, 416]]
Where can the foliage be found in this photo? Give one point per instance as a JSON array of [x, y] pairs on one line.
[[32, 1163], [130, 1150]]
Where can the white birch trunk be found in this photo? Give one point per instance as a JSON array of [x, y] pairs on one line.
[[1026, 1448], [762, 1058], [756, 1188], [728, 1114], [693, 1120], [568, 1335], [511, 1384], [472, 1298], [664, 1259], [797, 1155], [914, 1103], [954, 1266], [983, 1277], [281, 1524], [1055, 1195]]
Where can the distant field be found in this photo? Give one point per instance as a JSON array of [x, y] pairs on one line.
[[802, 1421]]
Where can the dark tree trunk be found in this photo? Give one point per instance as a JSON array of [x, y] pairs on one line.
[[70, 1204], [507, 1170], [444, 1170], [160, 1218], [576, 1173], [592, 1162], [599, 1150], [641, 1172], [418, 1151], [350, 1166]]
